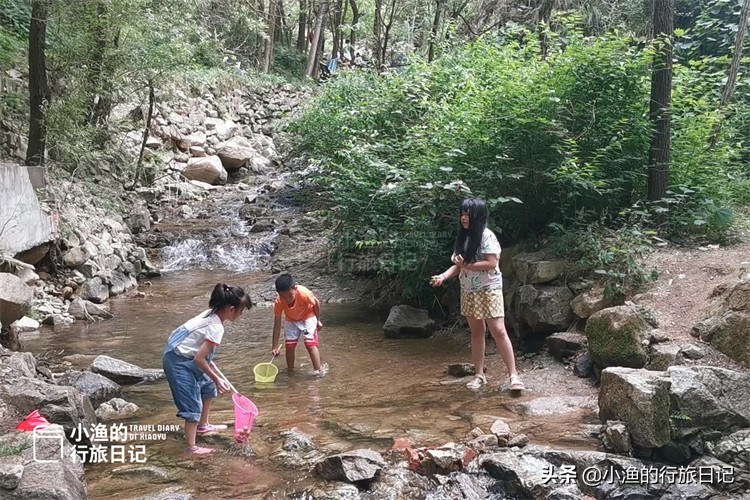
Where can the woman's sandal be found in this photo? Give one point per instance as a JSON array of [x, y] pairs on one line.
[[477, 382], [515, 383], [199, 451]]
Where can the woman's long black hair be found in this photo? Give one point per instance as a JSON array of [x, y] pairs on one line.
[[468, 240]]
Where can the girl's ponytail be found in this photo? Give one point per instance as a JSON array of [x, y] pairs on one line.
[[224, 295]]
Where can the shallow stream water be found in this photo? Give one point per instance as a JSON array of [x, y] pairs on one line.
[[376, 390]]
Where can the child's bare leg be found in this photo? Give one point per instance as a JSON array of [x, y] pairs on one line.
[[190, 429], [290, 357], [314, 353], [205, 411]]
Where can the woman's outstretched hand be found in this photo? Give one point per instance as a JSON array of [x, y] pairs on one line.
[[437, 280]]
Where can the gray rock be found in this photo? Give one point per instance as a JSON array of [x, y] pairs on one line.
[[140, 220], [483, 442], [535, 268], [235, 153], [83, 309], [66, 406], [615, 337], [519, 441], [565, 344], [61, 478], [617, 438], [707, 397], [208, 169], [98, 389], [335, 490], [122, 372], [75, 257], [18, 364], [542, 308], [399, 483], [460, 369], [15, 298], [116, 409], [590, 302], [408, 322], [732, 336], [640, 399], [295, 439], [444, 460], [663, 356], [519, 475], [692, 351], [584, 365], [11, 471], [352, 466], [500, 429], [94, 290], [120, 283], [25, 324]]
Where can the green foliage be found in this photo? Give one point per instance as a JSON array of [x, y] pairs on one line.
[[9, 450], [288, 62]]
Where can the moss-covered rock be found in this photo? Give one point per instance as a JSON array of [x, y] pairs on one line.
[[732, 337], [615, 337]]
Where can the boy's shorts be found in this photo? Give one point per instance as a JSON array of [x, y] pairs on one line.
[[307, 328]]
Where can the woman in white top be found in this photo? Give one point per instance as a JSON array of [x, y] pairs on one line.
[[476, 258], [188, 362]]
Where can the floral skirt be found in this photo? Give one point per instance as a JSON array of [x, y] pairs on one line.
[[483, 304]]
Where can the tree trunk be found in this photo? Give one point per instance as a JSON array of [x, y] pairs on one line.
[[734, 70], [39, 93], [312, 55], [377, 23], [146, 132], [268, 57], [434, 30], [355, 20], [302, 27], [661, 96], [335, 23]]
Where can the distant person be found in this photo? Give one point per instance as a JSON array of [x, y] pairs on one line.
[[358, 61], [188, 362], [301, 311], [476, 261]]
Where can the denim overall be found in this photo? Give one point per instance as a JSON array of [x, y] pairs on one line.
[[189, 384]]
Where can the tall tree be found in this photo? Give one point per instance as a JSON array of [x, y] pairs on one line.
[[734, 70], [268, 56], [434, 30], [39, 92], [314, 54], [302, 27], [661, 97], [355, 20]]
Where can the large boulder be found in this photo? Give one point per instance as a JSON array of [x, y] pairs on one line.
[[208, 169], [640, 399], [353, 466], [66, 406], [15, 298], [542, 309], [733, 449], [224, 130], [408, 322], [75, 257], [535, 268], [663, 356], [42, 468], [707, 397], [235, 153], [123, 372], [615, 336], [116, 409], [99, 389]]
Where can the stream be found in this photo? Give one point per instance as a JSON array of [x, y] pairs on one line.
[[375, 391]]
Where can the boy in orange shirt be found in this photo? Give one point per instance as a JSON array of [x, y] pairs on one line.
[[301, 311]]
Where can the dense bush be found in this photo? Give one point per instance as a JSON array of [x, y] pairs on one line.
[[562, 140]]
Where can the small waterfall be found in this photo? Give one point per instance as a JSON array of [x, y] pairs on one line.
[[233, 248]]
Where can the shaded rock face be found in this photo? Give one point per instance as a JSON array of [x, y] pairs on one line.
[[355, 466], [640, 398], [408, 322], [542, 309], [615, 337], [709, 397], [536, 268], [98, 389], [15, 298], [728, 330]]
